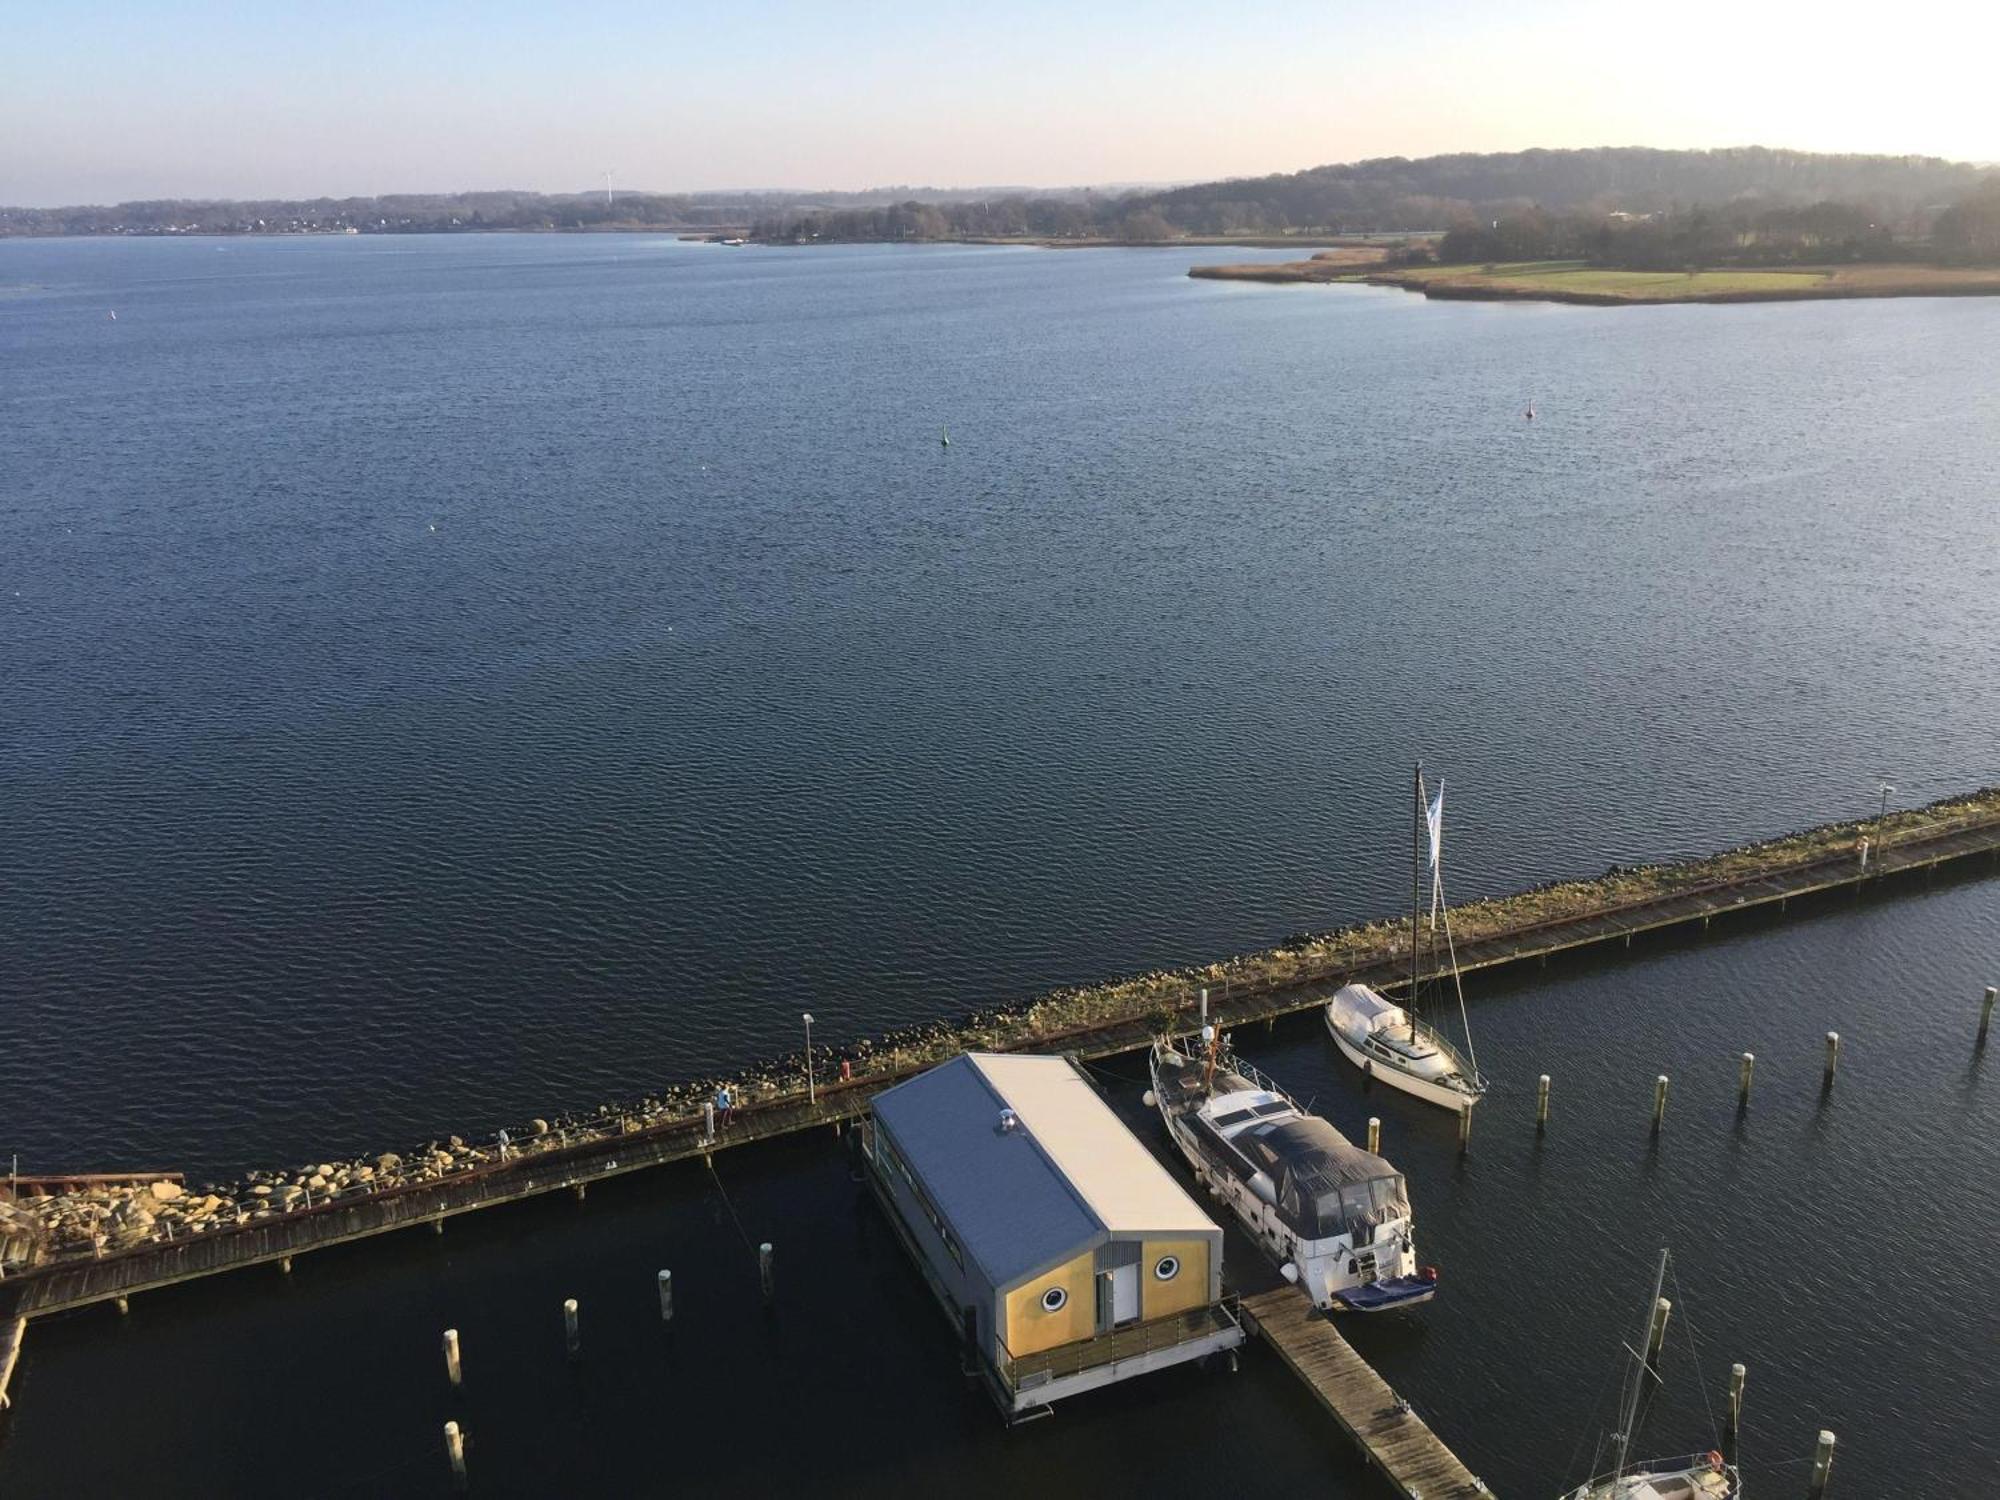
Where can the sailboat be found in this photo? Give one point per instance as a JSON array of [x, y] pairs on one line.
[[1697, 1476], [1389, 1042]]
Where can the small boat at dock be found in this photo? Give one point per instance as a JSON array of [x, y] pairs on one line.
[[1336, 1218], [1389, 1041]]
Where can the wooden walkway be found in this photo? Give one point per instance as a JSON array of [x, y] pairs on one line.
[[1396, 1440], [560, 1162]]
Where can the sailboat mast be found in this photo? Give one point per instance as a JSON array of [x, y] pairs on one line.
[[1416, 888], [1631, 1414]]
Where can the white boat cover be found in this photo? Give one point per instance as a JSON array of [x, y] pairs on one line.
[[1357, 1010]]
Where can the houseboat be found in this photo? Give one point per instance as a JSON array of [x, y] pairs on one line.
[[1065, 1255]]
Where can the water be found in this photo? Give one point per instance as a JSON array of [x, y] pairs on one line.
[[721, 691]]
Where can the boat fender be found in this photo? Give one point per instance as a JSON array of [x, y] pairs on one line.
[[1290, 1272], [1429, 1273], [1149, 1099], [1715, 1460]]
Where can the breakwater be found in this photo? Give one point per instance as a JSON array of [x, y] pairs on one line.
[[110, 1239]]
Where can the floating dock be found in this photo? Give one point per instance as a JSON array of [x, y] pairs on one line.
[[620, 1144], [1397, 1441]]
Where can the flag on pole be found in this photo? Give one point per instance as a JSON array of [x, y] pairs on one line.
[[1434, 819]]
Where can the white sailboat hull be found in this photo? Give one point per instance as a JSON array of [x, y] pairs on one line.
[[1444, 1096]]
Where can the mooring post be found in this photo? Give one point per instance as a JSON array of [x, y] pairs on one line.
[[1656, 1334], [1822, 1469], [1737, 1375], [1659, 1100], [666, 1296], [1864, 856], [1374, 1135], [1542, 1102], [1832, 1057], [1986, 1010], [452, 1367], [1204, 1005], [765, 1274], [1464, 1127], [572, 1336], [454, 1449], [708, 1122], [1743, 1077]]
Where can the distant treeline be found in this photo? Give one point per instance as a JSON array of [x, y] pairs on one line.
[[1846, 197], [1737, 234], [432, 213]]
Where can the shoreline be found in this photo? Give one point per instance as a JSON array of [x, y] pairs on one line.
[[1570, 282]]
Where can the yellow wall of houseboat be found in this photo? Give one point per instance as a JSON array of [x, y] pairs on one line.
[[1030, 1328], [1188, 1289]]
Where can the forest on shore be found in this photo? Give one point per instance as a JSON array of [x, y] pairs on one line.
[[1616, 205], [1632, 207]]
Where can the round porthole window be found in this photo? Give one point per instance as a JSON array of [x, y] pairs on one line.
[[1167, 1267], [1054, 1299]]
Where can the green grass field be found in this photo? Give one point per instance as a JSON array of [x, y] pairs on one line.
[[1574, 278]]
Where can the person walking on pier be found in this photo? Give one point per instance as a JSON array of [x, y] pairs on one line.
[[723, 1104]]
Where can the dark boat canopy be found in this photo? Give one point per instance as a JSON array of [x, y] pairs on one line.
[[1326, 1184]]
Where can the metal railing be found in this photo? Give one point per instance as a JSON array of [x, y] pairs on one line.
[[1025, 1370]]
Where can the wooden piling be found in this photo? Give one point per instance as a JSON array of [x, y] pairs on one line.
[[1832, 1058], [1656, 1333], [1375, 1135], [1542, 1102], [666, 1296], [1986, 1010], [1743, 1077], [1822, 1469], [572, 1335], [454, 1449], [12, 1335], [452, 1368], [1737, 1375], [1659, 1100], [766, 1275]]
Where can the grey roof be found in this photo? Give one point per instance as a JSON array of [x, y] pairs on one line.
[[1021, 1200], [1013, 1212]]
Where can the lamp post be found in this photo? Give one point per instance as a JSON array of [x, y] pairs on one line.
[[812, 1092], [1886, 790]]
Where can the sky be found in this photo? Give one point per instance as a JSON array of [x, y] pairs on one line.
[[103, 102]]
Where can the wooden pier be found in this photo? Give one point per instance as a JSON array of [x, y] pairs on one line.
[[619, 1145], [1397, 1441]]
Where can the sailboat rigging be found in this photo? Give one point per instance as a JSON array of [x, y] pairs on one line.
[[1698, 1476], [1392, 1042]]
